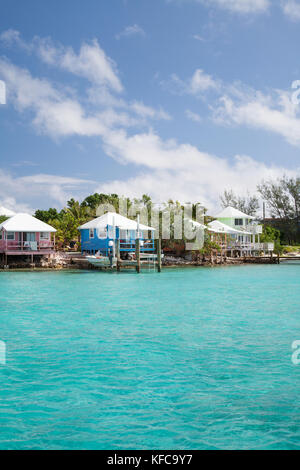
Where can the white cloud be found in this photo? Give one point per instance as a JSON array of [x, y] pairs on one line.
[[167, 168], [57, 114], [131, 31], [277, 114], [41, 189], [200, 81], [60, 112], [193, 116], [91, 62], [291, 9], [236, 104], [235, 6], [241, 6], [181, 171], [198, 37], [54, 113], [147, 112], [197, 84], [11, 37]]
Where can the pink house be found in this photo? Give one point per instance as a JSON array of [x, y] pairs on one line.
[[23, 234]]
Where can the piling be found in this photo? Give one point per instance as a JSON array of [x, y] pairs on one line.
[[138, 255], [118, 255], [159, 255]]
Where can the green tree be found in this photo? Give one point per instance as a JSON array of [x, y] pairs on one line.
[[283, 199], [270, 234], [3, 218], [46, 215], [249, 205], [67, 229]]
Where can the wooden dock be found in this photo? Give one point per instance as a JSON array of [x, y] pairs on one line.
[[142, 261]]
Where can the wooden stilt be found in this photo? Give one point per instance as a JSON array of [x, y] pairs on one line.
[[138, 255], [159, 255], [118, 255]]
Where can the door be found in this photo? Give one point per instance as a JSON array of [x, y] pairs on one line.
[[29, 237]]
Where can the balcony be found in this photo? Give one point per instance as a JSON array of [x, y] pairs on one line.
[[17, 248], [257, 247], [129, 245]]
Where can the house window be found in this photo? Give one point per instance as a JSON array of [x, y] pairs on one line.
[[102, 233], [10, 235], [44, 235], [92, 233], [1, 235], [238, 222], [124, 234]]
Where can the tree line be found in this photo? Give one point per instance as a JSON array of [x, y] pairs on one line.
[[281, 197]]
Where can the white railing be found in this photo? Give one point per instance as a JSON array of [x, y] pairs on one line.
[[8, 245], [252, 246], [255, 229]]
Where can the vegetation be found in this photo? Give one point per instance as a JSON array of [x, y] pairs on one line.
[[270, 234], [283, 199], [249, 205], [75, 214], [3, 218]]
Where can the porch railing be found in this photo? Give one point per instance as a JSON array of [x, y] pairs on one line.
[[129, 245], [8, 245], [251, 246]]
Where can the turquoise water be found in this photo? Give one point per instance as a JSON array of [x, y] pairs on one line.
[[185, 359]]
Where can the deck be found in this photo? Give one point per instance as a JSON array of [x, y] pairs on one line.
[[27, 248], [40, 252]]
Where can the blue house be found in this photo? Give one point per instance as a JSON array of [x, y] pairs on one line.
[[99, 235]]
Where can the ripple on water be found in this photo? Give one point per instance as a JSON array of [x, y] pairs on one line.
[[185, 359]]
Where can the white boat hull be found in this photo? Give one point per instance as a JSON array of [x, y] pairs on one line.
[[102, 261]]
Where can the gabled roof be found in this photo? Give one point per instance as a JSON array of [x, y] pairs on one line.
[[6, 212], [25, 223], [196, 224], [218, 227], [232, 213], [113, 219]]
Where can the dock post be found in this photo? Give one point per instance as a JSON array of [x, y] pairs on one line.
[[159, 255], [137, 255], [118, 254]]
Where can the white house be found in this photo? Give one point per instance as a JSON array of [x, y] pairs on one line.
[[243, 230]]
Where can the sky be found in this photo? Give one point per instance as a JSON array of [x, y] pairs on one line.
[[178, 99]]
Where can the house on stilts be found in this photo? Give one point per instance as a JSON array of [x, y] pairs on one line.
[[241, 233], [101, 235], [24, 235]]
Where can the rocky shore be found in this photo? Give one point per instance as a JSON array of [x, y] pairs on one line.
[[68, 260]]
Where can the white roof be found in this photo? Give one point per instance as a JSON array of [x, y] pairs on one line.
[[25, 223], [219, 227], [7, 212], [196, 224], [113, 219], [232, 213]]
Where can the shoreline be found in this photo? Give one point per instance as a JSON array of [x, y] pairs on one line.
[[180, 263]]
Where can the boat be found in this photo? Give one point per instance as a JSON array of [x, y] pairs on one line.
[[102, 261], [291, 260]]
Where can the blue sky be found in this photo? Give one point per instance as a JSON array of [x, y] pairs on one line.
[[175, 98]]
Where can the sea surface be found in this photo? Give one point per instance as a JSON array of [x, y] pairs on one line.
[[194, 358]]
